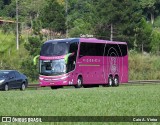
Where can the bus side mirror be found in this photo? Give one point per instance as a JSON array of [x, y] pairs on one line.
[[35, 59], [72, 54]]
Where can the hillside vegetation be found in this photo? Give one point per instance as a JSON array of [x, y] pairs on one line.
[[144, 67], [10, 57], [132, 21]]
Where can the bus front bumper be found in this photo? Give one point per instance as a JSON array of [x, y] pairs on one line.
[[53, 81]]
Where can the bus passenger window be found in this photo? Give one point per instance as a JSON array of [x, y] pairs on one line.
[[72, 58]]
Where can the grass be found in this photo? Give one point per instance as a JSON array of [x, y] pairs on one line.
[[120, 101], [126, 100]]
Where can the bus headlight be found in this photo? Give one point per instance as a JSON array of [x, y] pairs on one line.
[[40, 78]]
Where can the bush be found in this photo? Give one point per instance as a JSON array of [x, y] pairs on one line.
[[144, 67]]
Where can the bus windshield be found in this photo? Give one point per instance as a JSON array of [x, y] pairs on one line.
[[52, 67], [54, 49]]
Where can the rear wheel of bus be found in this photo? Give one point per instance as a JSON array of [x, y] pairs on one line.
[[116, 81], [110, 81], [79, 82]]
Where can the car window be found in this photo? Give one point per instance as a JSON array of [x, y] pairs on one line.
[[3, 74], [11, 75], [17, 74]]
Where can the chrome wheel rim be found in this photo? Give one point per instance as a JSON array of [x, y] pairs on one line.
[[6, 88], [116, 81], [79, 82], [23, 87], [110, 81]]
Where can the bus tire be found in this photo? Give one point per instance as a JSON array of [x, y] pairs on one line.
[[54, 87], [116, 81], [110, 81], [86, 86], [79, 82]]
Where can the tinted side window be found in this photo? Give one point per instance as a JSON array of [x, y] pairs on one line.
[[73, 47], [17, 74], [124, 50], [11, 75], [116, 50], [92, 49]]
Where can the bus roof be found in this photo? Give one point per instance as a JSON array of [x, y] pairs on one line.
[[88, 40], [95, 40], [62, 40]]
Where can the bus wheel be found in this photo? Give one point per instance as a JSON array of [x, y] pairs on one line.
[[85, 86], [116, 81], [79, 82], [110, 81], [54, 87]]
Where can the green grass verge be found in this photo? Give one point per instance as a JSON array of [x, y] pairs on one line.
[[126, 100], [114, 101]]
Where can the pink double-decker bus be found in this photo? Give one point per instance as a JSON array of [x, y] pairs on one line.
[[83, 62]]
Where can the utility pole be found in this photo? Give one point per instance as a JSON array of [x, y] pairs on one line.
[[17, 32], [66, 18], [111, 37]]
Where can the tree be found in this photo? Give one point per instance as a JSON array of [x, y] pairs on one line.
[[30, 10], [155, 41], [151, 8], [144, 35], [157, 22], [33, 46], [80, 26], [53, 17], [6, 2], [29, 69], [1, 5], [81, 17], [9, 9], [122, 16]]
